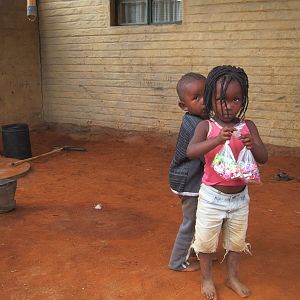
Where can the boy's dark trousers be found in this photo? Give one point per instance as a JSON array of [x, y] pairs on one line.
[[185, 233]]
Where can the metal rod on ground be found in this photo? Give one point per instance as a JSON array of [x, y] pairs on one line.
[[16, 163], [57, 149]]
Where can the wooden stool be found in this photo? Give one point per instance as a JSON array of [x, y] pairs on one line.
[[8, 182]]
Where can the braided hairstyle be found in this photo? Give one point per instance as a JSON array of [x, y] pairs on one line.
[[225, 74], [185, 79]]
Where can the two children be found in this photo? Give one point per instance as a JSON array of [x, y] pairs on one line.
[[223, 203], [185, 174]]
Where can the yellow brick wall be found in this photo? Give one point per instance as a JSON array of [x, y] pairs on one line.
[[125, 77], [20, 74]]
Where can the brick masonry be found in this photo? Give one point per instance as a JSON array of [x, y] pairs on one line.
[[125, 77], [20, 74]]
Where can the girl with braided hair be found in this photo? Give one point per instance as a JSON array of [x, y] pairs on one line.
[[222, 203]]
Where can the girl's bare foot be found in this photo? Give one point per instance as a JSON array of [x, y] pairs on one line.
[[238, 287], [208, 290], [192, 267]]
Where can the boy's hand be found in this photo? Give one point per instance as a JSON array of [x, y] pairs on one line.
[[247, 140], [225, 134]]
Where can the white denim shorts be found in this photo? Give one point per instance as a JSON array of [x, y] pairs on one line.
[[217, 210]]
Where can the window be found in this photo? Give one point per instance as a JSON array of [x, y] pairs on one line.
[[136, 12]]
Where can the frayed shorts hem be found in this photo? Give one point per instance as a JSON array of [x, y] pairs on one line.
[[218, 211]]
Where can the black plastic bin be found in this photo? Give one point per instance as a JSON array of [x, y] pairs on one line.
[[16, 141]]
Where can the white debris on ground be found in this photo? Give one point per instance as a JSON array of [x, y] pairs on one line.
[[98, 206]]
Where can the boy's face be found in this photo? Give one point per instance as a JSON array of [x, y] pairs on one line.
[[192, 96]]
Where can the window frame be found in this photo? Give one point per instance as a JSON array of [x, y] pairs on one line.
[[115, 14]]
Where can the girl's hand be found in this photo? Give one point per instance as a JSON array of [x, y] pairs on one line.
[[225, 134], [247, 140]]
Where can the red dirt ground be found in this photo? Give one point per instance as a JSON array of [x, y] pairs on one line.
[[56, 245]]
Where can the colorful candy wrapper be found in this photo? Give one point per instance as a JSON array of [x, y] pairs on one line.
[[225, 164], [248, 167]]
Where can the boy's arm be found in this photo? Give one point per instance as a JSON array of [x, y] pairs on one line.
[[255, 144], [185, 135]]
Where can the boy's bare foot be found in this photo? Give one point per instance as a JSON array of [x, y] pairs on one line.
[[238, 287], [192, 267], [208, 290]]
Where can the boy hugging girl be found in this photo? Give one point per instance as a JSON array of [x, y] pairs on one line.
[[214, 107]]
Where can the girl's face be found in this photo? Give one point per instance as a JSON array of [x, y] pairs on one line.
[[227, 109]]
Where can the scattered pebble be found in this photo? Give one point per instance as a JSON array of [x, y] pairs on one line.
[[282, 176], [98, 206]]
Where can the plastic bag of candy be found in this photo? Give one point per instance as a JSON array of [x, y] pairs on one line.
[[248, 166], [225, 164]]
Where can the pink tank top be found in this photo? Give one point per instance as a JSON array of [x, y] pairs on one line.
[[210, 176]]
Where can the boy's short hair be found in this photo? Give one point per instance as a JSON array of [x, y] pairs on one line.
[[185, 79]]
